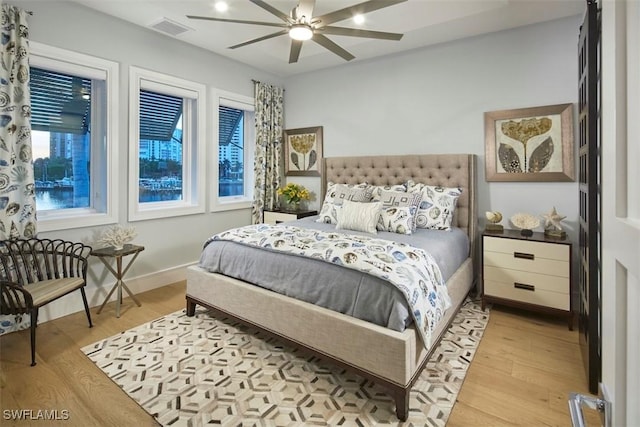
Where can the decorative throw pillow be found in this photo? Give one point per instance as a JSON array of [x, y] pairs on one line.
[[359, 216], [399, 220], [336, 194], [378, 189], [392, 200], [437, 207]]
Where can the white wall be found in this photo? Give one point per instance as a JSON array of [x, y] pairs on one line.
[[172, 243], [432, 100]]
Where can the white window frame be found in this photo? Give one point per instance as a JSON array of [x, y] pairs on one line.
[[66, 61], [193, 144], [241, 102]]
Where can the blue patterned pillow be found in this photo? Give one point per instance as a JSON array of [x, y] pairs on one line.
[[392, 200], [437, 207], [399, 220]]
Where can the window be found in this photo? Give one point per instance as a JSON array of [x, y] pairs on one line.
[[73, 120], [167, 139], [233, 188]]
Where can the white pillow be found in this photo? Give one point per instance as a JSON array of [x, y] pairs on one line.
[[336, 194], [359, 216], [379, 189]]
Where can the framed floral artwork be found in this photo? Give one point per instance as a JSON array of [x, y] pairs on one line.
[[530, 144], [303, 151]]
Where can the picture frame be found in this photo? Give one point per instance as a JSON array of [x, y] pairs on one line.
[[530, 144], [303, 151]]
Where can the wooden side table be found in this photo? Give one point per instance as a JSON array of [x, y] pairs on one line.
[[105, 254], [276, 217]]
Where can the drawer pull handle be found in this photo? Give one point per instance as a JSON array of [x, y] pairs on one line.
[[523, 255], [524, 286]]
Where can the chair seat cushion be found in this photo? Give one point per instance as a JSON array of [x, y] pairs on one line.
[[47, 290]]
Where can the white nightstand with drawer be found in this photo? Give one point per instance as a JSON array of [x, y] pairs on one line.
[[276, 217], [532, 273]]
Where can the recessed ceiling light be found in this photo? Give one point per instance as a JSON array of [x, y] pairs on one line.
[[221, 6], [358, 19]]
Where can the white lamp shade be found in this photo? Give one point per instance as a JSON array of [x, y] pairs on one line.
[[300, 32]]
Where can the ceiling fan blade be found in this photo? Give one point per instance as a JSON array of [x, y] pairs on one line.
[[272, 10], [259, 39], [349, 12], [296, 46], [305, 8], [355, 32], [239, 21], [328, 44]]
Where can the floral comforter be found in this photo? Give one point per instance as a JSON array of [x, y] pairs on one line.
[[411, 270]]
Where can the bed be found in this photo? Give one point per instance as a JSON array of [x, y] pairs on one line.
[[392, 358]]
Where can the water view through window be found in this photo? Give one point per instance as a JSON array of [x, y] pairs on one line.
[[231, 152]]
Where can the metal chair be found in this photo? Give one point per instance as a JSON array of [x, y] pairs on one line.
[[34, 272]]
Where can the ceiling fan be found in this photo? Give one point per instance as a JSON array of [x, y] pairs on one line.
[[301, 25]]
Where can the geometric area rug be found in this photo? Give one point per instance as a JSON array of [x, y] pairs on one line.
[[203, 370]]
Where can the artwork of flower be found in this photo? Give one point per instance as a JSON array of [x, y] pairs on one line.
[[530, 144], [303, 151]]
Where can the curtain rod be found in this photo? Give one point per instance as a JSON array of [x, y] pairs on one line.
[[258, 81]]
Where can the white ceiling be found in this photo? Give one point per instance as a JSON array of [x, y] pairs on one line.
[[423, 23]]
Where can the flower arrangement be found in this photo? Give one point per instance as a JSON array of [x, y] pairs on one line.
[[293, 194]]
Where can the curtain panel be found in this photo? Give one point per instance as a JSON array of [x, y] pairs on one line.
[[17, 186], [269, 116]]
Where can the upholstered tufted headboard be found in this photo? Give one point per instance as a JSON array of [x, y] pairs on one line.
[[448, 170]]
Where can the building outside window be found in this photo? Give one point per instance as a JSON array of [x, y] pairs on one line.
[[167, 139], [73, 97], [160, 150], [233, 188]]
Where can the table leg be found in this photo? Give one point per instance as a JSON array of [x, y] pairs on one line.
[[106, 300], [119, 284], [119, 273]]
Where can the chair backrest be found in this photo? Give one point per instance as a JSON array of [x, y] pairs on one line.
[[24, 261]]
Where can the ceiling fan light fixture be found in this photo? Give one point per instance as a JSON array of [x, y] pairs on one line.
[[300, 32], [221, 6]]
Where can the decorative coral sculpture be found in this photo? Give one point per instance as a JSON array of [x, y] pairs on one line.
[[117, 236], [525, 222]]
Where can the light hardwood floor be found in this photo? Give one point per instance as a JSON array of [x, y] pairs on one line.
[[521, 374]]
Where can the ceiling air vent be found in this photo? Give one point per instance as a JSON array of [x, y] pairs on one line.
[[170, 27]]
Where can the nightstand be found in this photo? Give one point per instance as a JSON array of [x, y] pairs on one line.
[[276, 217], [531, 273]]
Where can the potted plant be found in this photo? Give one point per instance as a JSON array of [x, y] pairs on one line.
[[293, 195]]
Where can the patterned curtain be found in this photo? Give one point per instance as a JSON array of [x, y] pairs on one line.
[[269, 121], [17, 190]]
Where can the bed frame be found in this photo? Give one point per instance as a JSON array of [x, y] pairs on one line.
[[390, 358]]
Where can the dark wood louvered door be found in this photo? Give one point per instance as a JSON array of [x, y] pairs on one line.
[[589, 233]]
